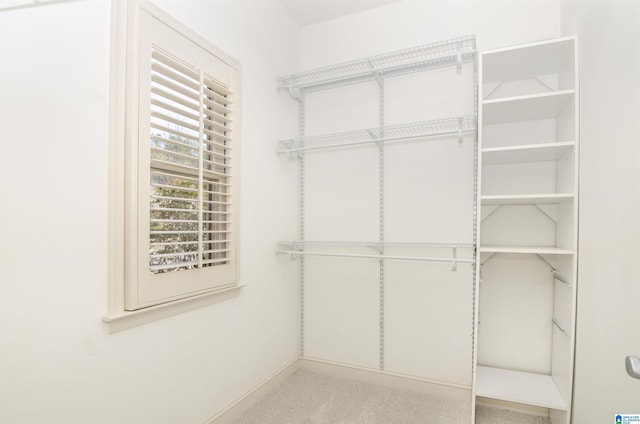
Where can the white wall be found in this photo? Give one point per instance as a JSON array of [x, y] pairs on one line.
[[414, 22], [609, 271], [428, 187], [59, 364]]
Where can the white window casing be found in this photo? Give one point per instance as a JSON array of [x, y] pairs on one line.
[[181, 163]]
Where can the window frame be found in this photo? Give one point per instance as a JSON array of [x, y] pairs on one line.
[[126, 258]]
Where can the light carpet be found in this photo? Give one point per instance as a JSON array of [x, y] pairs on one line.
[[309, 398]]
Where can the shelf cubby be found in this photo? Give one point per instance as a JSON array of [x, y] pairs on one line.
[[519, 387], [542, 152], [527, 107], [543, 58]]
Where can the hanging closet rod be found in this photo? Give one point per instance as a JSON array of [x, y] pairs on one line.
[[294, 253], [295, 243]]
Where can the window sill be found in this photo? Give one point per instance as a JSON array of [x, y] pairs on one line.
[[123, 320]]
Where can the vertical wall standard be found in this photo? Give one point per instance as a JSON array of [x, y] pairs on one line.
[[387, 219]]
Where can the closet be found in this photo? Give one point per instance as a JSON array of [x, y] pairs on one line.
[[528, 203], [437, 219]]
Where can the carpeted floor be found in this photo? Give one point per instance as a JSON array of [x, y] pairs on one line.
[[308, 398]]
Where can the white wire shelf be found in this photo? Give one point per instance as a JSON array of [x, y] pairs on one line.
[[451, 52], [296, 249], [458, 126]]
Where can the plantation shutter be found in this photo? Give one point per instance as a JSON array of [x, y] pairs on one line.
[[187, 240], [190, 168]]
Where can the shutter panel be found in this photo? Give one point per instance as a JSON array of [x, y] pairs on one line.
[[181, 201], [190, 153]]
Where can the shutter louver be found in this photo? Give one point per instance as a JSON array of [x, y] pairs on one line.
[[190, 153]]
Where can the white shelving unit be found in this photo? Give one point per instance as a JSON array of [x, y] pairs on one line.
[[528, 206], [377, 69]]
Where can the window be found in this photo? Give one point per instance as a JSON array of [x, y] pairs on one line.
[[181, 167]]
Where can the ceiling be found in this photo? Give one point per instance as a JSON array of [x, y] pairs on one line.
[[307, 12]]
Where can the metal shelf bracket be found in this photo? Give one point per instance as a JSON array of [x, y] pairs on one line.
[[560, 327], [295, 92], [560, 278], [547, 212], [376, 74], [492, 209]]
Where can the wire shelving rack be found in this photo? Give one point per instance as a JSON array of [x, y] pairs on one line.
[[404, 132], [456, 51]]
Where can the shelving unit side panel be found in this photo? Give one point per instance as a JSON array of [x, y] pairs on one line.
[[565, 171], [479, 212], [563, 312], [566, 121], [561, 363], [566, 226]]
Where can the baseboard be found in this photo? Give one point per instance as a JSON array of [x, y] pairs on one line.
[[339, 370], [511, 406], [387, 379], [238, 407]]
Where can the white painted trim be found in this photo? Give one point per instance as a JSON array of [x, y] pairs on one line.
[[117, 317], [387, 379], [119, 321], [239, 406], [117, 83], [511, 406]]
